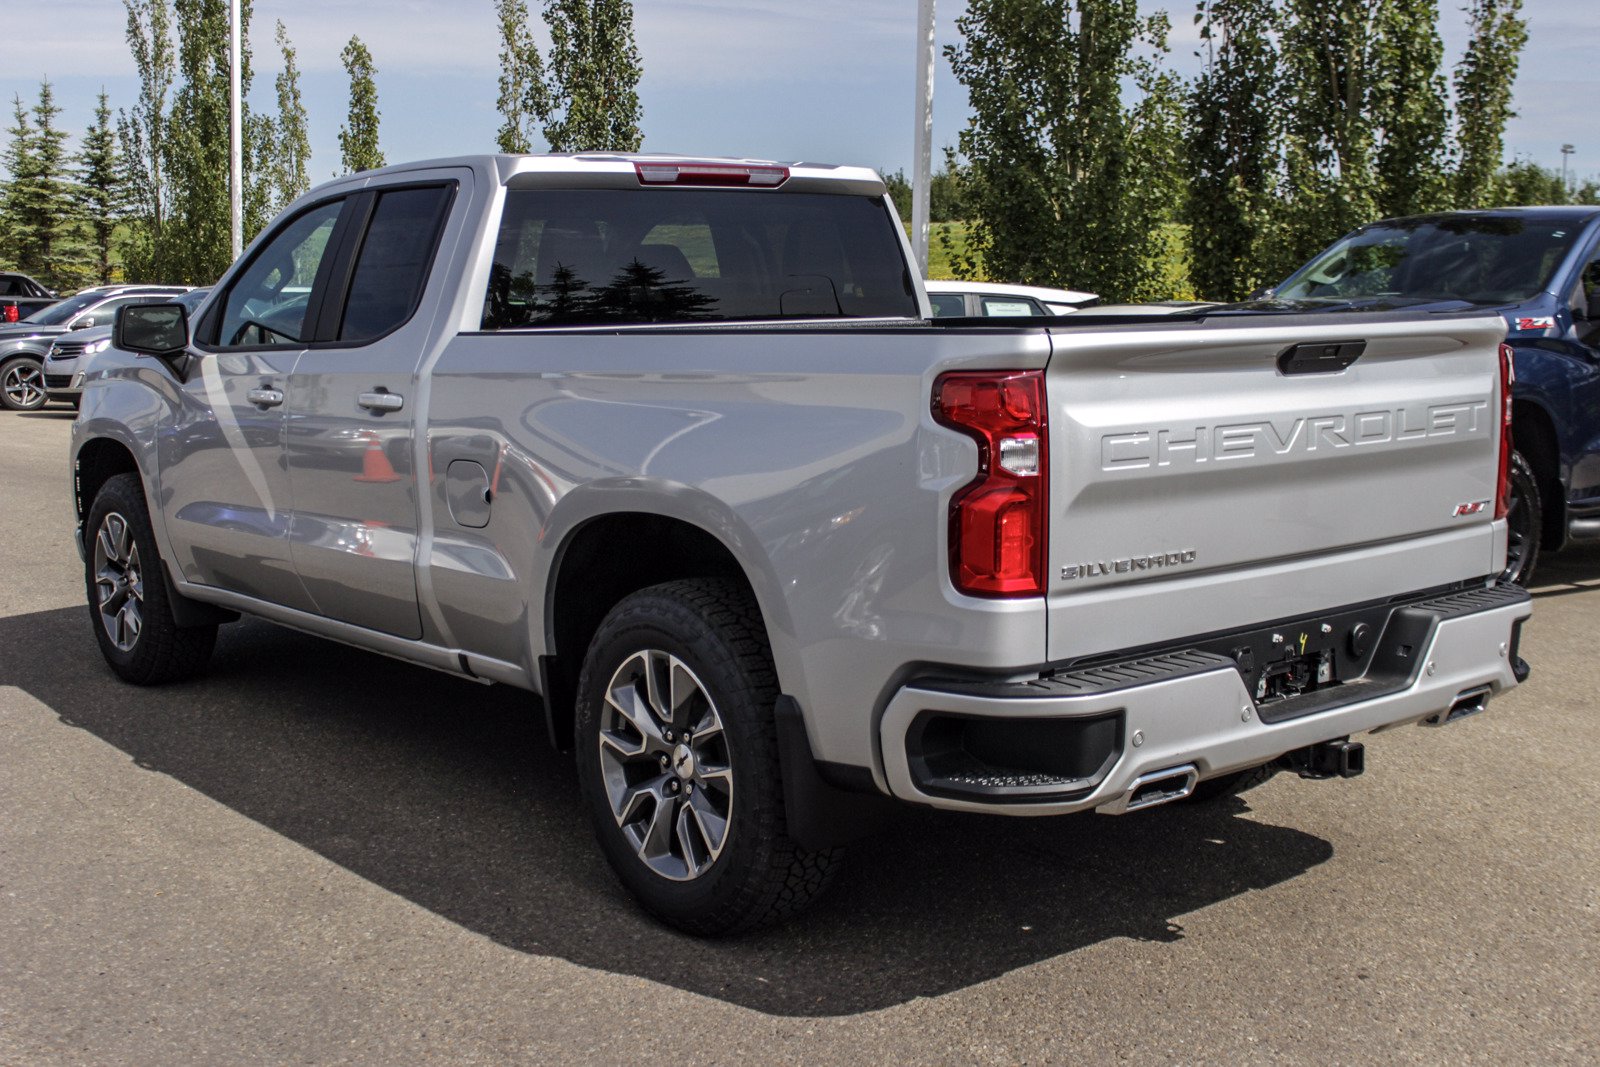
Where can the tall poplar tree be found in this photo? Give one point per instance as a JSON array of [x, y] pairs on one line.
[[1066, 184], [1483, 81], [1235, 128], [524, 100], [1409, 110], [141, 135], [287, 151], [196, 240], [358, 137], [592, 77], [99, 190]]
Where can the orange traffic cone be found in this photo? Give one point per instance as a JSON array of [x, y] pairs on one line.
[[375, 466]]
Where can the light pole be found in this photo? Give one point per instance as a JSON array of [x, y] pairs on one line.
[[235, 133], [922, 164], [1566, 150]]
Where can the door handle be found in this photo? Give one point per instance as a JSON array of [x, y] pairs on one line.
[[267, 398], [381, 401]]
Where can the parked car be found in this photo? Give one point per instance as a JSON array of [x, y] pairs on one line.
[[23, 345], [674, 444], [1539, 269], [70, 356], [991, 299], [21, 296]]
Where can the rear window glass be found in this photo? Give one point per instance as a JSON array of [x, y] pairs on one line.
[[394, 261], [595, 257]]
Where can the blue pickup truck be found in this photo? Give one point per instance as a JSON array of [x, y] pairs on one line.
[[1539, 267]]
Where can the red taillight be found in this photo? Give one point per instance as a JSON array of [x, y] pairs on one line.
[[11, 313], [766, 176], [998, 522], [1508, 377]]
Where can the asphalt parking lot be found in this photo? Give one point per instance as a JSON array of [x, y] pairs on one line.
[[318, 855]]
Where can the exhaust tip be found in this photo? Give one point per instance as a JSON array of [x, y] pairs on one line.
[[1150, 790], [1467, 702]]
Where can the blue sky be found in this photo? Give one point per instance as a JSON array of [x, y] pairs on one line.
[[825, 80]]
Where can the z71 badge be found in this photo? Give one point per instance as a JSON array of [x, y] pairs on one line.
[[1540, 322]]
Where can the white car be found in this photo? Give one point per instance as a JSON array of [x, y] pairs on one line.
[[67, 361], [979, 299]]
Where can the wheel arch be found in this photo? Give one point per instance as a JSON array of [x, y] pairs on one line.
[[605, 557], [1534, 435]]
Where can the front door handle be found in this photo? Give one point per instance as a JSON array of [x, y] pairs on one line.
[[267, 398], [380, 402]]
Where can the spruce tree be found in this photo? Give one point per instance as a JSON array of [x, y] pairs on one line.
[[40, 217], [100, 188], [19, 164]]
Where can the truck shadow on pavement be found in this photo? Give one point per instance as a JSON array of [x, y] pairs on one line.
[[447, 795]]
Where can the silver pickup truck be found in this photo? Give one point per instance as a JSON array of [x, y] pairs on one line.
[[676, 445]]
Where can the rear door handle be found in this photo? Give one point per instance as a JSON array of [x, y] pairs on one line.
[[381, 401], [267, 398]]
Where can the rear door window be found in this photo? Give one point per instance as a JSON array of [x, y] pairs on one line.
[[592, 257], [393, 263]]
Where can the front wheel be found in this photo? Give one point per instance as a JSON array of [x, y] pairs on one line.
[[1524, 522], [22, 384], [128, 604], [678, 761]]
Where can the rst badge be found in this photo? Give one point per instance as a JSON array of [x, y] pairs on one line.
[[1474, 507]]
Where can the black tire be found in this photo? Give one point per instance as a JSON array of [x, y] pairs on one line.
[[1525, 522], [156, 649], [1232, 784], [22, 384], [708, 635]]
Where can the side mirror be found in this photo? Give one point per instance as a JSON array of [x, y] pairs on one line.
[[83, 323], [1594, 304], [160, 330]]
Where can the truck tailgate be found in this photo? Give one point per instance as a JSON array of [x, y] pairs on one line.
[[1187, 466]]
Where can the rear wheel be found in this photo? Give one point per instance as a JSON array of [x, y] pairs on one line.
[[1524, 522], [678, 761], [128, 604], [22, 384]]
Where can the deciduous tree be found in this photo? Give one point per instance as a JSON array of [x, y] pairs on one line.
[[358, 137], [592, 77], [524, 100], [1233, 146], [1483, 81], [1067, 184]]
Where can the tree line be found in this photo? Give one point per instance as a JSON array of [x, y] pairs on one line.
[[145, 195], [1308, 118], [1084, 152]]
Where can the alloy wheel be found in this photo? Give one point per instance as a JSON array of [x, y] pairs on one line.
[[665, 765], [23, 384], [119, 582]]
